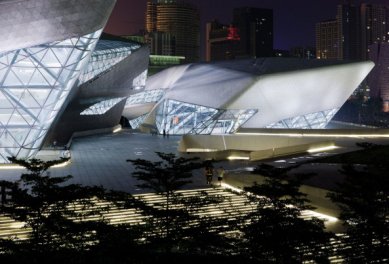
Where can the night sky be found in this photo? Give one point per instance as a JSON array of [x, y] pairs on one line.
[[294, 20]]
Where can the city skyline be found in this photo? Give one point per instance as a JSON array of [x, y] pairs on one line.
[[294, 22]]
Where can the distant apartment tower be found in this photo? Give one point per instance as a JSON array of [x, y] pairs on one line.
[[374, 26], [378, 79], [255, 27], [222, 41], [348, 18], [173, 28], [328, 44], [357, 28]]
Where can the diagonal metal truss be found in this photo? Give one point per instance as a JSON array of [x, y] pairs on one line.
[[308, 121], [182, 118], [34, 84]]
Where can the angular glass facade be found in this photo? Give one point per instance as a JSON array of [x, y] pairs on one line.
[[34, 84], [102, 107], [147, 96], [309, 121], [106, 54], [135, 123], [139, 82], [182, 118]]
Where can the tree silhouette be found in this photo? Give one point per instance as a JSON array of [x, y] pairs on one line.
[[174, 221], [275, 232], [363, 198], [52, 209]]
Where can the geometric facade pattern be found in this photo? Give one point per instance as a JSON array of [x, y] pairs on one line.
[[34, 84], [147, 96], [309, 121], [102, 107], [182, 118], [139, 82], [106, 54], [223, 97], [135, 123]]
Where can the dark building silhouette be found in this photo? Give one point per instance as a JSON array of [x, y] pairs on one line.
[[350, 35], [378, 79], [173, 28], [255, 27], [222, 41]]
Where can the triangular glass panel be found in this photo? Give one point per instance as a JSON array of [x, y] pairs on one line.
[[39, 54], [39, 95], [35, 50], [3, 60], [50, 60], [3, 71], [10, 57], [12, 80], [38, 79], [26, 62], [5, 102], [62, 53]]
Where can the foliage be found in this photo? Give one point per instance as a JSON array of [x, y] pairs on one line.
[[55, 211], [175, 222], [275, 231], [363, 197]]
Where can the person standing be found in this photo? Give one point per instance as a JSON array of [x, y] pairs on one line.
[[209, 174], [220, 175]]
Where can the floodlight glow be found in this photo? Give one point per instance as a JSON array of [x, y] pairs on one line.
[[61, 165], [117, 130], [322, 216], [322, 149], [325, 217], [238, 158], [323, 135], [228, 186], [200, 150]]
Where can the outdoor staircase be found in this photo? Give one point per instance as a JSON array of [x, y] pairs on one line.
[[231, 205]]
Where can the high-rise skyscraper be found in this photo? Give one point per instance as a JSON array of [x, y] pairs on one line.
[[328, 44], [255, 27], [222, 41], [358, 27], [374, 26], [378, 80], [173, 28], [348, 18]]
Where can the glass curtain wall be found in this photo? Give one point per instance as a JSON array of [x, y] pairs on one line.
[[34, 84]]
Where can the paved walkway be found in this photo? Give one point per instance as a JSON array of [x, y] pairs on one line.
[[101, 160]]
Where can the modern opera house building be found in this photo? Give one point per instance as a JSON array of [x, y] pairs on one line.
[[247, 109], [57, 76], [224, 97]]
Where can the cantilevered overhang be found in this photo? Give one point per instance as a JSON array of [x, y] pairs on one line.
[[26, 23]]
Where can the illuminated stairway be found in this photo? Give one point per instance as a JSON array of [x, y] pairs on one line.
[[230, 206]]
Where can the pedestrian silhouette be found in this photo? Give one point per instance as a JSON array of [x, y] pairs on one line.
[[209, 174], [220, 175]]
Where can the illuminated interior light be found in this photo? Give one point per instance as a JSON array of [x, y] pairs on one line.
[[322, 149], [238, 158], [318, 135], [61, 165], [10, 167], [117, 130], [15, 167], [200, 150], [227, 186]]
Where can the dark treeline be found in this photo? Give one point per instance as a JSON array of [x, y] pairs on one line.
[[68, 226]]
